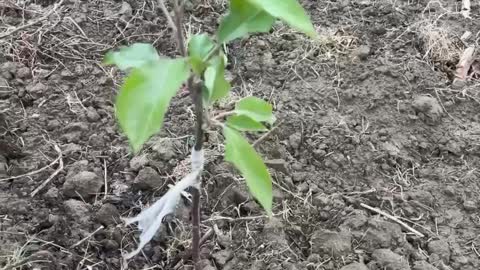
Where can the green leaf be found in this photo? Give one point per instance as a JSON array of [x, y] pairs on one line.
[[198, 48], [289, 11], [215, 81], [145, 96], [255, 108], [243, 18], [244, 123], [133, 56], [244, 157]]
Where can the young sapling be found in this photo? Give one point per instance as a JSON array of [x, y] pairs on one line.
[[153, 80]]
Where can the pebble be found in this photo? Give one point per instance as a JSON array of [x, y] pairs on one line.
[[330, 242], [222, 257], [355, 266], [92, 115], [37, 90], [84, 184], [295, 139], [77, 210], [470, 205], [441, 248], [24, 73], [387, 259], [278, 165], [108, 215], [423, 265], [138, 162], [147, 179], [363, 52], [53, 125]]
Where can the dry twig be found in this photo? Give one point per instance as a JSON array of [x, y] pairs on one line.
[[39, 170], [406, 226], [33, 22]]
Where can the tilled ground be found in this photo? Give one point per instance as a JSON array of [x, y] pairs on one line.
[[375, 158]]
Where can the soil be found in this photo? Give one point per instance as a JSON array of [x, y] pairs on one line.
[[369, 116]]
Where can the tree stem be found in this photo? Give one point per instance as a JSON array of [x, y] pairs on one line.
[[195, 90]]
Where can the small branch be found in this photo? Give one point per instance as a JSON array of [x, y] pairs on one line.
[[44, 17], [58, 170], [406, 226], [36, 171], [264, 136], [164, 9], [86, 238], [105, 178]]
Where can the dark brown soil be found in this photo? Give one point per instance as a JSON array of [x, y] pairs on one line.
[[369, 118]]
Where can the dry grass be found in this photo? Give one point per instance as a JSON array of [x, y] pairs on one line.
[[440, 45]]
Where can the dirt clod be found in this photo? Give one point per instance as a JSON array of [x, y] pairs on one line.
[[423, 265], [222, 257], [363, 52], [332, 243], [470, 205], [138, 162], [427, 105], [387, 259], [355, 266], [382, 234], [37, 90], [108, 215], [78, 210], [147, 179], [92, 115], [440, 248], [24, 73], [84, 184]]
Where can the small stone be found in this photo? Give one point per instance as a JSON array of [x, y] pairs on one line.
[[238, 195], [205, 265], [66, 74], [295, 139], [387, 259], [355, 266], [147, 179], [77, 210], [278, 165], [84, 184], [109, 244], [441, 248], [37, 90], [108, 215], [222, 257], [274, 233], [423, 265], [427, 105], [24, 73], [314, 258], [165, 149], [51, 194], [138, 162], [469, 205], [333, 243], [363, 52], [92, 115], [382, 234], [321, 200], [53, 125], [76, 127], [303, 187]]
